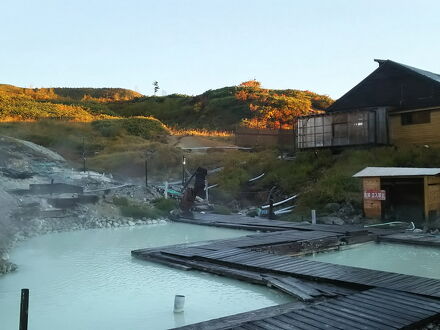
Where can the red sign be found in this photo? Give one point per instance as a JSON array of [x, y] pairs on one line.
[[377, 195]]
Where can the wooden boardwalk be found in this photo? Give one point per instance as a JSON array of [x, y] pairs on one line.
[[413, 238], [337, 296], [371, 309], [254, 253], [263, 224], [262, 262]]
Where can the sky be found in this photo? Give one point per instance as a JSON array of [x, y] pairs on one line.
[[190, 46]]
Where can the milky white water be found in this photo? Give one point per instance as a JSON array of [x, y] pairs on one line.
[[398, 258], [88, 280]]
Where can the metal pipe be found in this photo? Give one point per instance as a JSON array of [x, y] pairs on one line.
[[183, 170], [281, 202], [313, 217], [257, 177], [179, 303], [392, 223]]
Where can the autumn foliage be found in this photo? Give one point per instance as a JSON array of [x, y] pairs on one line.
[[278, 108]]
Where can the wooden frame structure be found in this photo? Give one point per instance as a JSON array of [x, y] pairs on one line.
[[375, 193]]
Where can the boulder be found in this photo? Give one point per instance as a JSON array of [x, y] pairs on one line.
[[332, 207], [328, 220]]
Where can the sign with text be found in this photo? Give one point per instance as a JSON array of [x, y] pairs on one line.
[[376, 195]]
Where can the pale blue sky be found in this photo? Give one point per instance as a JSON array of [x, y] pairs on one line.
[[194, 45]]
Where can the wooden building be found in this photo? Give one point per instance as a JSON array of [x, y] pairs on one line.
[[396, 104], [265, 137], [401, 193]]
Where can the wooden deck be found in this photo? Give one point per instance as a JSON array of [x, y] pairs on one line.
[[231, 254], [237, 221], [413, 238], [371, 309], [336, 296]]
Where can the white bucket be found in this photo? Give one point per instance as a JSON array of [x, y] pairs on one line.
[[179, 303]]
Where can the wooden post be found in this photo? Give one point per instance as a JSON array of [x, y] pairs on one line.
[[24, 308], [206, 191], [313, 217], [146, 171], [271, 215], [166, 190], [84, 155], [426, 200]]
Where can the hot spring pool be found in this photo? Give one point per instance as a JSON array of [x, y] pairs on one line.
[[88, 280], [398, 258]]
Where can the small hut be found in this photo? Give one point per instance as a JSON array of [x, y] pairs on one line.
[[401, 193]]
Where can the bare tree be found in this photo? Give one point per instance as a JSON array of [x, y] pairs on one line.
[[156, 87]]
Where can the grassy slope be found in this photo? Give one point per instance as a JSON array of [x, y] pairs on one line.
[[71, 94], [217, 109], [321, 179]]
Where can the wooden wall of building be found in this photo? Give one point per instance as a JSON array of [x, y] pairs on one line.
[[421, 134], [254, 137], [432, 196]]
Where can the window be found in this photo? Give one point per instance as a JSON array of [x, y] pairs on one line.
[[412, 118]]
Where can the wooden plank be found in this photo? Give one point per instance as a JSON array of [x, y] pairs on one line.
[[361, 318], [379, 307], [335, 320], [434, 304], [264, 325], [297, 324], [312, 319], [278, 323], [361, 309], [248, 326], [288, 288], [411, 309]]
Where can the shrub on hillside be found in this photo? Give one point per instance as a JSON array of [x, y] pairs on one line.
[[108, 128], [165, 205], [138, 212], [146, 127]]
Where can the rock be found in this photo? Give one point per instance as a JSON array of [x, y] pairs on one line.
[[5, 256], [130, 223], [435, 224], [328, 220], [346, 210], [332, 207]]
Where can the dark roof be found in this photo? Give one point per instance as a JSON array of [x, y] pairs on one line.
[[427, 74], [394, 85]]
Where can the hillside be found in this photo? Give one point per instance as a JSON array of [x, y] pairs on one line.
[[219, 109], [223, 108], [71, 94]]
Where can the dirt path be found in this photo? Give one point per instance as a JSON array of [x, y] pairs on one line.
[[192, 141]]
